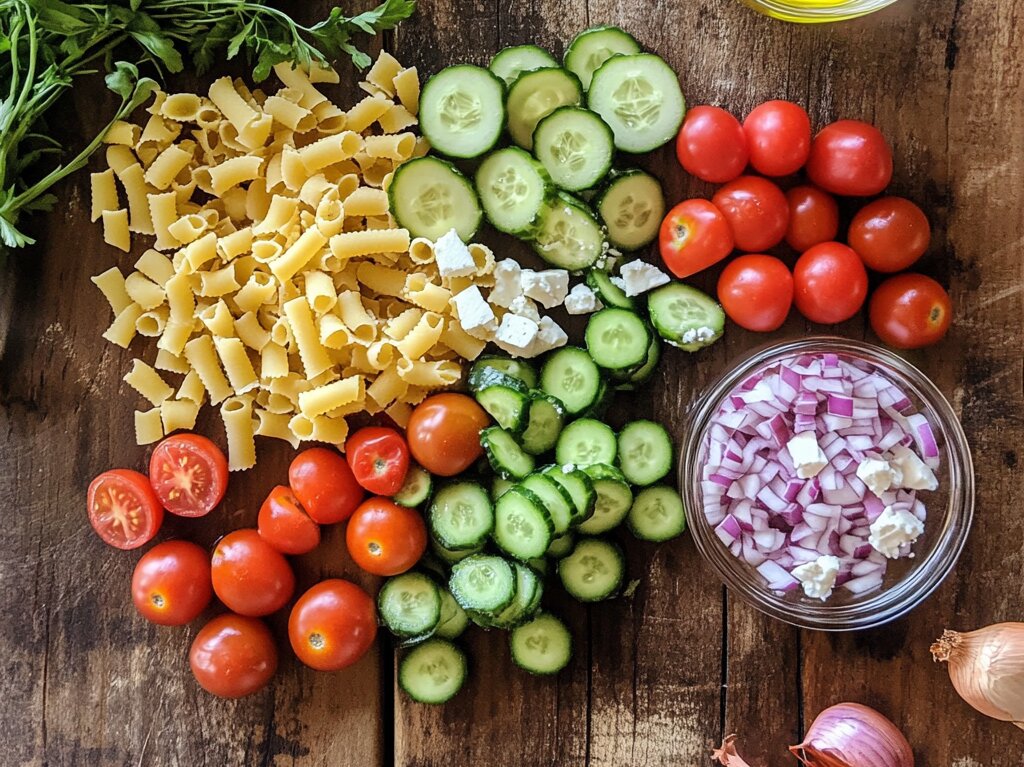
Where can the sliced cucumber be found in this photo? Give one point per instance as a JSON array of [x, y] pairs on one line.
[[511, 62], [483, 583], [580, 489], [610, 294], [528, 588], [451, 556], [639, 97], [657, 514], [617, 338], [453, 620], [568, 236], [504, 455], [555, 499], [575, 146], [505, 399], [645, 452], [514, 189], [593, 47], [545, 417], [561, 546], [542, 646], [512, 367], [614, 499], [416, 488], [685, 317], [433, 672], [500, 486], [461, 516], [586, 441], [572, 376], [410, 605], [594, 571], [429, 197], [462, 110], [605, 394], [643, 373], [536, 94], [522, 526], [631, 207]]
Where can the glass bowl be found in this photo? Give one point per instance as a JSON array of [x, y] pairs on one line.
[[908, 581], [817, 11]]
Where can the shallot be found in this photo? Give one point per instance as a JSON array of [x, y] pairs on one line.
[[852, 735]]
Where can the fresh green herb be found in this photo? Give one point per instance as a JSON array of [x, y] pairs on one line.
[[46, 44]]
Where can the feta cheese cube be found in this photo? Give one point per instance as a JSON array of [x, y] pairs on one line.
[[878, 475], [515, 334], [524, 307], [639, 277], [808, 457], [453, 257], [916, 474], [582, 300], [892, 530], [507, 283], [618, 282], [696, 335], [818, 577], [549, 336], [475, 315], [549, 287]]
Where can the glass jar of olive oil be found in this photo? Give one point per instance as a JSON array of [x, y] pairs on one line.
[[816, 11]]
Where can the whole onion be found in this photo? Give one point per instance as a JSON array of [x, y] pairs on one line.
[[852, 735]]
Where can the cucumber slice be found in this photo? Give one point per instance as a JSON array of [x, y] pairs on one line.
[[685, 317], [505, 399], [429, 197], [614, 499], [572, 376], [536, 94], [462, 110], [544, 420], [543, 646], [555, 499], [500, 486], [451, 556], [568, 236], [453, 620], [657, 514], [575, 146], [594, 571], [504, 455], [562, 546], [586, 441], [410, 605], [461, 516], [610, 294], [593, 47], [416, 488], [645, 371], [580, 489], [540, 566], [522, 526], [511, 62], [617, 338], [528, 588], [511, 367], [433, 672], [483, 583], [639, 97], [631, 207], [514, 189], [605, 393], [645, 452]]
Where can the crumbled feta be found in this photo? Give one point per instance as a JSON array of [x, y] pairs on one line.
[[582, 300], [878, 475], [507, 283], [639, 277], [475, 315], [892, 530], [524, 307], [452, 257], [618, 282], [818, 577], [916, 474], [515, 334], [698, 335], [808, 457], [549, 336], [548, 287]]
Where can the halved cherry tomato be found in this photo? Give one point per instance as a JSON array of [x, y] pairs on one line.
[[444, 433], [189, 474], [830, 283], [850, 157], [711, 145], [813, 217], [379, 459], [890, 234], [756, 210], [694, 236], [249, 575], [756, 291], [284, 524], [324, 485], [779, 137], [332, 625], [909, 311], [123, 509], [233, 656], [384, 538], [171, 583]]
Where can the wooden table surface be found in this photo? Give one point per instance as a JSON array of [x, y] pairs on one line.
[[656, 678]]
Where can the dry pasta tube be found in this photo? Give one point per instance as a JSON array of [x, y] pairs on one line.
[[237, 415]]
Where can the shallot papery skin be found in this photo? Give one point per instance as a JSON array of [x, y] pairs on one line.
[[852, 735], [726, 755]]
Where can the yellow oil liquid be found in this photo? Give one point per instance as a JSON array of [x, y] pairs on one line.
[[815, 11]]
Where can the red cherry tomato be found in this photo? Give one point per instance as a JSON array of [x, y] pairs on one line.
[[830, 283], [379, 459], [756, 210], [711, 145], [324, 485], [384, 538], [332, 625], [171, 583], [779, 137], [694, 235], [285, 525], [444, 433], [851, 158], [813, 217], [250, 576], [909, 311], [890, 234], [123, 509], [233, 656], [189, 474], [756, 292]]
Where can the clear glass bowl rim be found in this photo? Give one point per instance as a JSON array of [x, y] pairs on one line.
[[801, 11]]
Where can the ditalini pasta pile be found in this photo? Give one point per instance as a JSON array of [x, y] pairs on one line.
[[278, 286]]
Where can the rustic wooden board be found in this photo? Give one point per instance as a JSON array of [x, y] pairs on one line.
[[657, 678]]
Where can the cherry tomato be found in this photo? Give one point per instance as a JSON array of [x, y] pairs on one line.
[[909, 311], [694, 235], [756, 292], [779, 137], [171, 583], [250, 576], [444, 433], [384, 538], [324, 485], [756, 210], [711, 145], [285, 525], [851, 158], [890, 234], [332, 625], [379, 459], [813, 217], [123, 509], [189, 474], [233, 656], [831, 283]]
